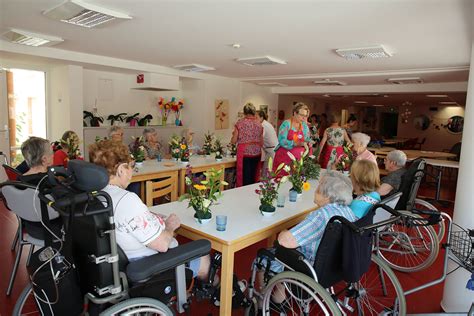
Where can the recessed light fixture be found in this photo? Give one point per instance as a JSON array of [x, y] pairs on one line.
[[194, 67], [272, 84], [378, 51], [448, 103], [28, 38], [235, 45], [83, 14], [360, 102], [437, 95], [261, 61], [405, 80], [378, 105], [326, 95]]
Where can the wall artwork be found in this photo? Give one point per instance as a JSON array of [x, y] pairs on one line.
[[222, 114]]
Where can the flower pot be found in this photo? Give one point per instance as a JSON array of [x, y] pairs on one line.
[[267, 210], [218, 158], [175, 158], [138, 164], [202, 218], [177, 122], [346, 173], [185, 162], [133, 122]]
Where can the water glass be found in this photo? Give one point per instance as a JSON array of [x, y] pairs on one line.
[[158, 157], [293, 196], [221, 222], [281, 200]]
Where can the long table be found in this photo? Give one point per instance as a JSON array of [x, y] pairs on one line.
[[245, 226], [439, 165]]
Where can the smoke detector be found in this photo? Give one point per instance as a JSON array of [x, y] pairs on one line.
[[194, 67], [364, 52], [83, 14], [407, 80], [30, 39], [261, 61], [272, 84], [329, 82]]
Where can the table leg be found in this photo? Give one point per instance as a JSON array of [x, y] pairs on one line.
[[227, 272], [271, 240], [181, 175], [438, 184], [142, 191]]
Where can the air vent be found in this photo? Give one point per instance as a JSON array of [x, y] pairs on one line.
[[83, 14], [30, 39], [261, 61], [194, 68], [407, 80], [364, 52], [329, 82], [272, 84]]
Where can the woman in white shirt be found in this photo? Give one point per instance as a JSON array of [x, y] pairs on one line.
[[270, 138]]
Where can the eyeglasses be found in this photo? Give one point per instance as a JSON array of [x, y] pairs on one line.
[[302, 115]]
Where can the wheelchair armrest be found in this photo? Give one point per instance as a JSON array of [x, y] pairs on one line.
[[141, 270]]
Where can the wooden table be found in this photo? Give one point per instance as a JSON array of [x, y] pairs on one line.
[[245, 226], [439, 165], [413, 154], [394, 141]]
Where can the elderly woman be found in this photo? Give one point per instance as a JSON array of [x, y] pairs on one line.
[[331, 144], [140, 233], [361, 141], [293, 135], [248, 135], [116, 133], [333, 196], [69, 149], [365, 179], [395, 165], [152, 145]]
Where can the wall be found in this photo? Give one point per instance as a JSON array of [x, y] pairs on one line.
[[260, 96]]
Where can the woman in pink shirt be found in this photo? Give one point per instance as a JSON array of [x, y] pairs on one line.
[[361, 152]]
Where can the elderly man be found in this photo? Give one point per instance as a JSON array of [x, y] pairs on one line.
[[395, 165]]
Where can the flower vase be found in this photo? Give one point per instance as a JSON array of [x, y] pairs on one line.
[[202, 217], [177, 122], [267, 209], [138, 164], [164, 119], [133, 122]]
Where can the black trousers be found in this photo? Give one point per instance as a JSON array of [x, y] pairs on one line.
[[249, 170]]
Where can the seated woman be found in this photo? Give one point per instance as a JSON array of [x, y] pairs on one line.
[[140, 233], [361, 141], [116, 133], [365, 179], [69, 149], [152, 145]]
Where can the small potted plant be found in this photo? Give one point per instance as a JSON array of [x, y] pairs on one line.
[[94, 120], [232, 148], [175, 147], [144, 121], [297, 177], [268, 188], [137, 150], [207, 146], [132, 119], [116, 118], [218, 149], [184, 151], [202, 194]]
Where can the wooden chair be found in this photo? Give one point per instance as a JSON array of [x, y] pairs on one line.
[[167, 184], [419, 144]]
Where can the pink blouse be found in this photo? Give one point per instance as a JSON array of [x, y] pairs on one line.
[[367, 155]]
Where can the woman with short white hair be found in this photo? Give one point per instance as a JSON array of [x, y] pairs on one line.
[[152, 144], [360, 141]]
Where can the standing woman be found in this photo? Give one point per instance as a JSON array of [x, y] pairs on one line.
[[293, 135], [270, 139], [69, 149], [350, 125], [248, 135], [152, 145], [332, 142], [314, 132]]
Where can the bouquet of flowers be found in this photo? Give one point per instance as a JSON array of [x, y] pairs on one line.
[[184, 150], [207, 146], [72, 144], [137, 149], [218, 148], [232, 148], [344, 162], [175, 146], [268, 188], [202, 194], [297, 176], [176, 107], [311, 167], [165, 109]]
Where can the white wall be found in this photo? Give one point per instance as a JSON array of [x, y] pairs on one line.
[[260, 96]]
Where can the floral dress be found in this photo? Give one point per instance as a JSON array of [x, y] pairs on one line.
[[151, 152], [333, 147]]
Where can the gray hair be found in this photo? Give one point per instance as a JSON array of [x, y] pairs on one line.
[[34, 149], [337, 187], [114, 129], [249, 109], [398, 157], [148, 130], [362, 138]]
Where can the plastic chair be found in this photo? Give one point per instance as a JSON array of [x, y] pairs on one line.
[[168, 184]]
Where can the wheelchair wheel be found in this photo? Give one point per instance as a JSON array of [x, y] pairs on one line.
[[300, 295], [408, 248], [252, 309], [25, 304], [440, 226], [378, 292], [138, 306]]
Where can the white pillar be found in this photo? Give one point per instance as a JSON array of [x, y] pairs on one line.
[[456, 297]]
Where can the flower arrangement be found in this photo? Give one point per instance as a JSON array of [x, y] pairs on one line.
[[218, 148], [137, 149], [175, 146], [176, 107], [207, 146], [202, 194], [165, 109], [72, 144], [311, 167], [184, 150], [344, 162], [268, 188], [297, 176], [232, 148]]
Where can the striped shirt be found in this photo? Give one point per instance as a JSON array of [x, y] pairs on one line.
[[309, 232]]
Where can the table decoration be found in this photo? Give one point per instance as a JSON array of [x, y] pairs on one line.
[[202, 194], [268, 188], [296, 174]]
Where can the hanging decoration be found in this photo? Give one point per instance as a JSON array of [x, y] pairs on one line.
[[406, 114]]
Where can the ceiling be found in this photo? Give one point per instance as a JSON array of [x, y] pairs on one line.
[[430, 39]]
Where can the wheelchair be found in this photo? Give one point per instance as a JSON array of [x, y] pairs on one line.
[[347, 277], [87, 272]]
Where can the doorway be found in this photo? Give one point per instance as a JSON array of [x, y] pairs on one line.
[[389, 124], [24, 103]]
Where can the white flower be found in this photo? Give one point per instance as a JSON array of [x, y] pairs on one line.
[[206, 203], [284, 179], [287, 168], [291, 156]]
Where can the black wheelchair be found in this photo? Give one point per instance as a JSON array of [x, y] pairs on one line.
[[346, 276], [87, 273]]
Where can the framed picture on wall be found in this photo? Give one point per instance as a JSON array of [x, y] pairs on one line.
[[221, 114]]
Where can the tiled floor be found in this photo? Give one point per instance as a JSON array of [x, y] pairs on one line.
[[417, 303]]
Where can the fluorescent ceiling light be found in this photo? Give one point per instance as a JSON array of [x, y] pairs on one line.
[[448, 103], [272, 84], [28, 38], [261, 61], [329, 82], [405, 80], [437, 95], [360, 102], [378, 105], [194, 67], [83, 14], [378, 51]]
